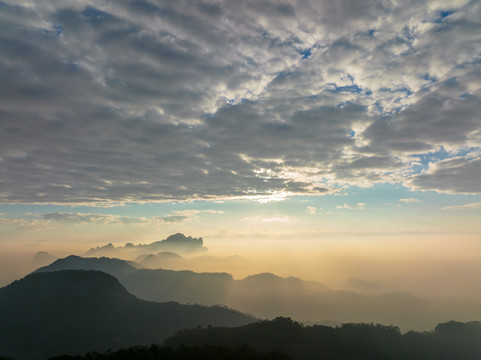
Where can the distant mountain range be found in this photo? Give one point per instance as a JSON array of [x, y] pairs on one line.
[[178, 243], [176, 252], [75, 305], [263, 295], [163, 259], [174, 261], [75, 311]]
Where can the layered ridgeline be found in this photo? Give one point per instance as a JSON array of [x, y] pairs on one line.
[[173, 261], [265, 295], [75, 311]]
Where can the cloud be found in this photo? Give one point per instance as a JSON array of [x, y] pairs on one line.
[[453, 175], [410, 200], [268, 219], [311, 210], [171, 219], [106, 219], [184, 215], [84, 218], [470, 206], [121, 102], [358, 206], [24, 224]]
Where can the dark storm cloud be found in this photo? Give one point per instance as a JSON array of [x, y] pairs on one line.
[[151, 101]]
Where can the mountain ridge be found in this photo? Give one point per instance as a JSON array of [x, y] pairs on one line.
[[75, 311], [266, 295], [113, 266]]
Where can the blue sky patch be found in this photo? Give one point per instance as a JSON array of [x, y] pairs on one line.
[[348, 88], [58, 29], [93, 14], [443, 14], [305, 54]]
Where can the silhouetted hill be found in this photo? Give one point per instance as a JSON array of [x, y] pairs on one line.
[[155, 285], [449, 341], [271, 296], [268, 295], [202, 263], [108, 250], [285, 339], [212, 263], [364, 286], [115, 267], [263, 295], [164, 260], [183, 286], [74, 311], [270, 280], [156, 352]]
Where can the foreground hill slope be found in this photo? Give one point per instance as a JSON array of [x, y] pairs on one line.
[[448, 341], [74, 311], [284, 339], [157, 352]]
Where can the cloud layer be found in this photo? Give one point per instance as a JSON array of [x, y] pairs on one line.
[[149, 101]]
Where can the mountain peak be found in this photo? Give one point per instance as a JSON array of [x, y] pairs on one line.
[[68, 287], [43, 258], [116, 267], [178, 243], [179, 237]]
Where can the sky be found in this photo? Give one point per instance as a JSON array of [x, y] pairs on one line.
[[349, 130]]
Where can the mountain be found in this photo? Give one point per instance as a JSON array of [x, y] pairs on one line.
[[271, 296], [272, 281], [448, 341], [232, 263], [267, 295], [164, 260], [158, 352], [183, 286], [108, 250], [155, 284], [42, 258], [364, 286], [75, 311], [203, 263], [115, 267], [178, 243]]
